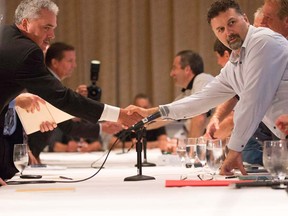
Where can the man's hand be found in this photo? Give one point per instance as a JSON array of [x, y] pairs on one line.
[[212, 127], [32, 158], [141, 111], [2, 183], [232, 161], [29, 102], [47, 126], [282, 123], [128, 118], [83, 90], [111, 127]]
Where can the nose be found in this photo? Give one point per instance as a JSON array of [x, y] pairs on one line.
[[51, 34]]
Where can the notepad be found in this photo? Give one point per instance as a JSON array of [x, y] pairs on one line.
[[31, 121]]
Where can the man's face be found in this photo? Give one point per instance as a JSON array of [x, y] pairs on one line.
[[142, 102], [41, 29], [271, 19], [178, 74], [230, 28], [65, 67], [222, 60]]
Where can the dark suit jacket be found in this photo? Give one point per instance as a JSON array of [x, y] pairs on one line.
[[22, 67], [38, 141]]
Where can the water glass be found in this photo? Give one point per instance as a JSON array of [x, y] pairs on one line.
[[214, 154], [20, 156], [275, 159], [181, 151], [190, 144], [201, 150]]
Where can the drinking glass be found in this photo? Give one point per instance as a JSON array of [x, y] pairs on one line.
[[190, 144], [201, 150], [214, 155], [20, 156], [275, 160], [181, 151]]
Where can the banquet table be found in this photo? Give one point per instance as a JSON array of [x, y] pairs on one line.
[[108, 194]]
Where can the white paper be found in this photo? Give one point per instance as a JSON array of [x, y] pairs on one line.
[[31, 121]]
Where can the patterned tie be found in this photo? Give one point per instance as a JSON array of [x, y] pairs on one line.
[[10, 119]]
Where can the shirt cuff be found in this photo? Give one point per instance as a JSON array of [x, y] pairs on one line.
[[100, 129], [110, 113], [236, 144]]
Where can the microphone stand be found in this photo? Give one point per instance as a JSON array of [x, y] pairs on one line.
[[122, 137], [144, 140], [139, 176]]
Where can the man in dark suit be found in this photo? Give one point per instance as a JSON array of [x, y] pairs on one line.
[[22, 67]]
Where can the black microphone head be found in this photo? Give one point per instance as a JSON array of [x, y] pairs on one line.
[[148, 119]]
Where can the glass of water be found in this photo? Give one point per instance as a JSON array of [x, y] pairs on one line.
[[181, 151], [275, 160], [20, 156], [190, 144], [201, 150], [214, 155]]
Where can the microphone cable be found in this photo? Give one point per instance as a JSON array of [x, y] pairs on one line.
[[123, 134]]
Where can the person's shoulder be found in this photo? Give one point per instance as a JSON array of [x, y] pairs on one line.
[[265, 35], [12, 39], [204, 76]]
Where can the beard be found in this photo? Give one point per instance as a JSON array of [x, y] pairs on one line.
[[236, 42]]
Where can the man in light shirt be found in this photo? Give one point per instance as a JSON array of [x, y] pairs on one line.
[[257, 71]]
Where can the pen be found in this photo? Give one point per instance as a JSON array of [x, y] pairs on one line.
[[63, 177], [230, 177]]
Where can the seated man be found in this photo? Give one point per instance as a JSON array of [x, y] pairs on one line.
[[62, 142], [60, 59]]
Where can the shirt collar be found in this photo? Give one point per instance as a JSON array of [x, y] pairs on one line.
[[54, 74], [234, 57], [189, 86]]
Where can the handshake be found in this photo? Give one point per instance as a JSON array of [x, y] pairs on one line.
[[128, 116]]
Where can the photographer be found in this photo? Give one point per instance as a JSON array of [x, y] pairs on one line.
[[61, 61]]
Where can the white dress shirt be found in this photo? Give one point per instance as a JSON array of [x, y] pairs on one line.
[[259, 75]]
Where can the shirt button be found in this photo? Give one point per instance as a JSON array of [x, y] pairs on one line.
[[274, 127], [242, 146]]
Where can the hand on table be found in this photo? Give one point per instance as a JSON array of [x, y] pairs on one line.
[[282, 123], [232, 161]]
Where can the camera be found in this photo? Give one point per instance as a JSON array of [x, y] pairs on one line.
[[94, 92]]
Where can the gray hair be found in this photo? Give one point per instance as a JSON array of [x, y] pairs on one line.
[[258, 12], [30, 9]]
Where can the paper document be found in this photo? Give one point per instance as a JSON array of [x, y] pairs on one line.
[[31, 121]]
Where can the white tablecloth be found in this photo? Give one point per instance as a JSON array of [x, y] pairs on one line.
[[108, 194]]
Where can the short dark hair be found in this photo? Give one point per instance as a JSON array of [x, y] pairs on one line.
[[193, 59], [220, 48], [141, 96], [55, 51], [222, 6]]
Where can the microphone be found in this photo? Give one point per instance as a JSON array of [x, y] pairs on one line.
[[145, 120]]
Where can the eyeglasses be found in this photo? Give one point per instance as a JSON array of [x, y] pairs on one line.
[[202, 177]]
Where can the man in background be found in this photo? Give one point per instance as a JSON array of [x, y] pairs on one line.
[[60, 59], [188, 73]]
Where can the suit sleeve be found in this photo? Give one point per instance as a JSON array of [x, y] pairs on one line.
[[35, 77]]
